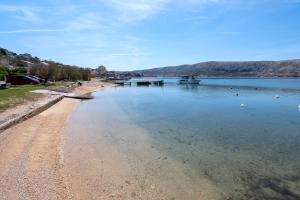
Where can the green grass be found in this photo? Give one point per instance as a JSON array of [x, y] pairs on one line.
[[21, 93]]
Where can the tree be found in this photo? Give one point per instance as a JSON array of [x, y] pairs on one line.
[[3, 73]]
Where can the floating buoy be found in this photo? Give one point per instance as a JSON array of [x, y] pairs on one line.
[[237, 94], [242, 105], [277, 96], [299, 107]]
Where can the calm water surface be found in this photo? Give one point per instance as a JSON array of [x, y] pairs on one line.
[[271, 83], [250, 152]]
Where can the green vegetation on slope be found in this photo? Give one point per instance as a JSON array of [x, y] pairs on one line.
[[20, 94], [58, 72], [13, 64]]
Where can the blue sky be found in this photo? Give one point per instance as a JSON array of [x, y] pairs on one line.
[[138, 34]]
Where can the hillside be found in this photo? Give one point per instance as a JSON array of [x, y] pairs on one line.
[[286, 68], [15, 64]]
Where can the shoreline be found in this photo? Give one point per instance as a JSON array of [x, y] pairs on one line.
[[48, 98], [96, 150], [106, 161], [39, 160], [31, 152]]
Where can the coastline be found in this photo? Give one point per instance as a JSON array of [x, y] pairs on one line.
[[31, 164], [105, 161], [39, 159]]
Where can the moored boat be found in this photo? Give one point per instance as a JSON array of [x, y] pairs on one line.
[[189, 80]]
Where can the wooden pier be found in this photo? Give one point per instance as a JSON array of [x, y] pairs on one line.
[[141, 83]]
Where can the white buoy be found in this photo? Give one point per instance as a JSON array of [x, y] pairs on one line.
[[299, 107], [242, 105]]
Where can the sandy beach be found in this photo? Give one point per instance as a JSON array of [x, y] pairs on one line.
[[40, 159], [131, 143], [31, 162]]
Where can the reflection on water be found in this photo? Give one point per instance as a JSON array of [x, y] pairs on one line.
[[250, 152]]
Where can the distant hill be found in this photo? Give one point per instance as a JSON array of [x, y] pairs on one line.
[[285, 68]]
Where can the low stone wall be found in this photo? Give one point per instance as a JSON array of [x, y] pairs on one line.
[[29, 114]]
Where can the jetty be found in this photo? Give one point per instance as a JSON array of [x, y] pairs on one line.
[[140, 82], [82, 97], [64, 94]]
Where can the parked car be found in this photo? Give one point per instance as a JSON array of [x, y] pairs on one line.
[[4, 85], [42, 80], [22, 80]]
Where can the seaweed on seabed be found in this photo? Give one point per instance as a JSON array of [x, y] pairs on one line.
[[275, 185], [255, 186], [280, 191]]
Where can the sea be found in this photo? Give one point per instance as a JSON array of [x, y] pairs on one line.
[[240, 136]]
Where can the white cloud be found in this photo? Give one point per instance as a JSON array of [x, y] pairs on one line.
[[28, 31], [93, 32], [22, 12], [131, 52], [135, 10], [202, 2], [86, 21]]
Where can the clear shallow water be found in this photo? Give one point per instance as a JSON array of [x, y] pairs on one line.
[[249, 153]]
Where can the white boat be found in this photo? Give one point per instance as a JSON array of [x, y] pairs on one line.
[[189, 80]]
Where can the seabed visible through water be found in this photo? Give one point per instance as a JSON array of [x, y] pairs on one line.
[[249, 152]]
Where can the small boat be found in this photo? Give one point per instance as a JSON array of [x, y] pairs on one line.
[[189, 80]]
